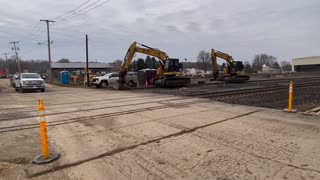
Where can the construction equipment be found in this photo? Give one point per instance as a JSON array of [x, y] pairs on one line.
[[232, 73], [169, 73]]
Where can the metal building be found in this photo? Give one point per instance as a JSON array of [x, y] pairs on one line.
[[78, 68], [306, 64]]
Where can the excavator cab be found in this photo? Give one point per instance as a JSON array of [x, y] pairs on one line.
[[237, 67], [172, 65]]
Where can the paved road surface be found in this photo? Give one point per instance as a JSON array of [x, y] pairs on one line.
[[108, 134]]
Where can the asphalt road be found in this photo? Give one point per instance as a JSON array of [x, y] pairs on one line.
[[108, 134]]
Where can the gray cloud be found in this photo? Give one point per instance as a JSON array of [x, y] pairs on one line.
[[286, 29], [172, 28], [194, 27]]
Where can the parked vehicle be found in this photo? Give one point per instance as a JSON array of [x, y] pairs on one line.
[[105, 80], [111, 78], [12, 80], [132, 79], [29, 81], [3, 74]]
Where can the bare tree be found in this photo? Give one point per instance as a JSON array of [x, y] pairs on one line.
[[150, 62], [276, 65], [117, 64], [37, 66], [141, 64], [223, 66], [64, 60], [285, 65], [263, 59], [205, 59], [247, 67]]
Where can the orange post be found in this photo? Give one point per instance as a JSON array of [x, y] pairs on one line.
[[290, 101], [43, 129], [46, 156], [290, 96]]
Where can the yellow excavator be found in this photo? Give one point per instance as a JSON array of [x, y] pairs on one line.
[[169, 73], [232, 73]]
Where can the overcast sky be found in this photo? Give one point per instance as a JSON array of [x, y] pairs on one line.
[[284, 28]]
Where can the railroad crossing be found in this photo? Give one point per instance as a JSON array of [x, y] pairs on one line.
[[125, 135]]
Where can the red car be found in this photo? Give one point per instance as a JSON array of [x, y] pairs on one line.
[[3, 74]]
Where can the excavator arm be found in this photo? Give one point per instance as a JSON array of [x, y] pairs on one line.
[[214, 64], [226, 57], [233, 69], [143, 50], [168, 74]]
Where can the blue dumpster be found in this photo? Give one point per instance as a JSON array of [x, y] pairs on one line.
[[64, 77]]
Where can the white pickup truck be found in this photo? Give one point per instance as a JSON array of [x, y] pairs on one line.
[[110, 78], [29, 81]]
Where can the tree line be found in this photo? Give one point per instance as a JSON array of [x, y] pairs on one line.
[[11, 66], [259, 60], [204, 62], [137, 65]]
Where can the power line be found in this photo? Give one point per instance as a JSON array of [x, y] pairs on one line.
[[72, 10], [36, 28], [79, 11], [28, 50], [36, 32], [84, 7], [30, 33], [84, 10]]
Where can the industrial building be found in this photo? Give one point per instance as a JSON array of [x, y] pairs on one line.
[[306, 64], [78, 69]]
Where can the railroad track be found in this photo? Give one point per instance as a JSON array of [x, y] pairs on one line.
[[94, 117], [249, 92], [260, 80], [18, 117], [285, 79], [49, 106]]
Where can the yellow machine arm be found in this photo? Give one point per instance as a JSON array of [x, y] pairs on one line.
[[168, 73], [144, 50], [214, 55], [234, 70]]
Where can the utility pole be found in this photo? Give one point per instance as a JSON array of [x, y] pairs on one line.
[[6, 62], [15, 50], [49, 48], [87, 59]]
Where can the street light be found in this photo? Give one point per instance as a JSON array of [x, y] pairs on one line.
[[44, 43]]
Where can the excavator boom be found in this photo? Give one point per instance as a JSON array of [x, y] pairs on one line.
[[131, 52], [168, 74]]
